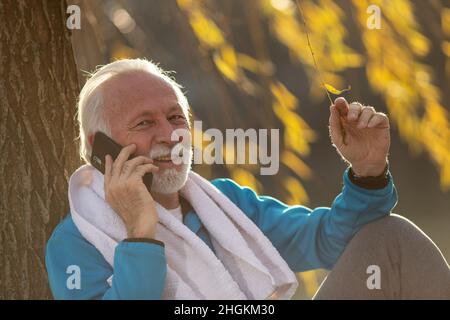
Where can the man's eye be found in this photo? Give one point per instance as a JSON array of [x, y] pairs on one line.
[[142, 123], [177, 117]]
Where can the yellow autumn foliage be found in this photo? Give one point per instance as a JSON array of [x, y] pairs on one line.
[[392, 58]]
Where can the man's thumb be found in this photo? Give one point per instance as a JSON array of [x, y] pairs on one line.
[[342, 106]]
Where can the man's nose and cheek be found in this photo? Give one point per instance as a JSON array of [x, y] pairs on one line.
[[162, 146]]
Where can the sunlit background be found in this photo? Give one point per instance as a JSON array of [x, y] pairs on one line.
[[247, 64]]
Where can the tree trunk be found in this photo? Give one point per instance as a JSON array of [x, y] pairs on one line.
[[38, 89]]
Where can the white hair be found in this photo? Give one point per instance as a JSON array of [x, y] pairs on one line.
[[170, 180], [90, 102]]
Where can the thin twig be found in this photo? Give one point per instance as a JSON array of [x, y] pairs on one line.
[[300, 9]]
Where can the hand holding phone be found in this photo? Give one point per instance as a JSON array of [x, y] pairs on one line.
[[124, 188], [104, 145]]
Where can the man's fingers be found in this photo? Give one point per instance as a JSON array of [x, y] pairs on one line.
[[364, 118], [335, 125], [354, 111], [108, 164], [121, 158], [378, 120], [142, 169], [129, 166], [341, 106]]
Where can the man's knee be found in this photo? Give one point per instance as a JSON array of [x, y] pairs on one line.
[[388, 233], [394, 232], [390, 226]]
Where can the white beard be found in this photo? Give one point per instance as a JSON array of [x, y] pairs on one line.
[[170, 180]]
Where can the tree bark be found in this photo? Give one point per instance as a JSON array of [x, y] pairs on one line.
[[38, 90]]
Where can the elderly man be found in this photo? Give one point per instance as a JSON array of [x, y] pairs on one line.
[[189, 238]]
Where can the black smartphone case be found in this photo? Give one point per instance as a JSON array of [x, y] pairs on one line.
[[104, 145]]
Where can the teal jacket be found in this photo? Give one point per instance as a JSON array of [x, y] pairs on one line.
[[306, 239]]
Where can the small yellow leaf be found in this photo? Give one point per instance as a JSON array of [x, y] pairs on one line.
[[333, 90]]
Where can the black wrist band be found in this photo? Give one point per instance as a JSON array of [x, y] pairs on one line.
[[371, 183], [147, 240]]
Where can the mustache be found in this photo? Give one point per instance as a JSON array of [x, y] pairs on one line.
[[164, 151]]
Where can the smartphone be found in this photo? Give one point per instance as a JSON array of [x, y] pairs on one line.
[[104, 145]]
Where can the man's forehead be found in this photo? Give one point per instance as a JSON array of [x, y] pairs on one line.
[[136, 82], [138, 90], [155, 111]]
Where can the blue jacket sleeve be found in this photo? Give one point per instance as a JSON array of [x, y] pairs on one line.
[[139, 268], [310, 239]]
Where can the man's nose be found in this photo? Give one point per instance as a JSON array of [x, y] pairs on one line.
[[164, 133]]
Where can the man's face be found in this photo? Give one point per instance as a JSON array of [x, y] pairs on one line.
[[143, 109]]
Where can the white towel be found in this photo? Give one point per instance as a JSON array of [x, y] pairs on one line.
[[246, 264]]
